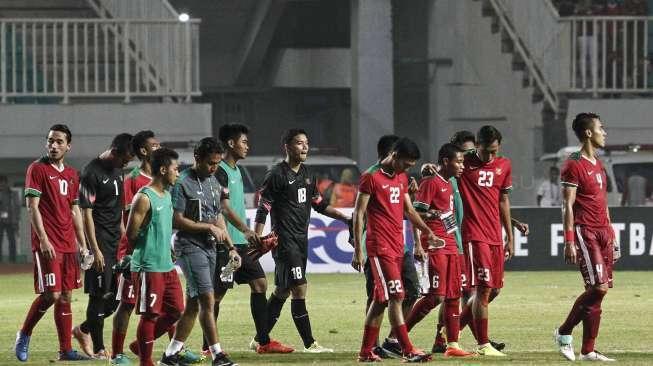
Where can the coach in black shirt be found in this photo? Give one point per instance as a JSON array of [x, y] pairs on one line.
[[101, 200], [288, 193]]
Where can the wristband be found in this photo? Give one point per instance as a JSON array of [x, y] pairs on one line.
[[569, 236]]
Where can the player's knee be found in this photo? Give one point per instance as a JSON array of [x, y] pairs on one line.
[[281, 293], [51, 297], [206, 300], [298, 292], [192, 306], [259, 286], [65, 297]]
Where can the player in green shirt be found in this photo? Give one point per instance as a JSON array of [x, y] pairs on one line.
[[234, 137], [149, 229]]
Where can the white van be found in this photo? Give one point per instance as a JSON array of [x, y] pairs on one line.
[[621, 162]]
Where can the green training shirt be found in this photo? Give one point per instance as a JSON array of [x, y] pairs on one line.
[[152, 247]]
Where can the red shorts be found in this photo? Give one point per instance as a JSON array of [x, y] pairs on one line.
[[594, 250], [158, 293], [444, 275], [126, 292], [59, 274], [386, 272], [485, 264], [465, 283]]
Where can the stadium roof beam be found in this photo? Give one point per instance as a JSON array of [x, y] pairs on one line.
[[256, 40]]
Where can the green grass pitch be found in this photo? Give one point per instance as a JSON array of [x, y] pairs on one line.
[[523, 316]]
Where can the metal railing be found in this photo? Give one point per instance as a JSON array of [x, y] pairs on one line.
[[609, 54], [524, 51], [69, 58], [134, 9]]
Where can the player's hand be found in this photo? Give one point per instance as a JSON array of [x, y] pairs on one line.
[[419, 253], [357, 261], [509, 250], [570, 253], [616, 252], [235, 258], [412, 186], [219, 234], [252, 238], [428, 169], [435, 242], [433, 214], [98, 261], [47, 250], [522, 227]]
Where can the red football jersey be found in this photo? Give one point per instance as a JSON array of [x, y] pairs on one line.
[[481, 185], [437, 193], [57, 192], [591, 205], [134, 181], [385, 212]]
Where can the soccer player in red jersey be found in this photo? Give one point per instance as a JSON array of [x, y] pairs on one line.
[[589, 237], [51, 192], [383, 197], [436, 193], [143, 144], [485, 186]]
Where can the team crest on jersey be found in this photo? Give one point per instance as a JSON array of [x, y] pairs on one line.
[[498, 171]]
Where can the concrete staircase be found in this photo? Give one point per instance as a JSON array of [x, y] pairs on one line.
[[553, 121]]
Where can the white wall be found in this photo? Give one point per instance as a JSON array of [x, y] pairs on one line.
[[23, 127]]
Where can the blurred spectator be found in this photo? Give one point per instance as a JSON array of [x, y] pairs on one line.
[[9, 209], [636, 190], [324, 185], [344, 192], [548, 195]]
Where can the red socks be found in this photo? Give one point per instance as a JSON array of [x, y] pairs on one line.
[[421, 309], [165, 324], [481, 331], [466, 319], [145, 336], [401, 332], [452, 319], [36, 311], [63, 319], [580, 309], [370, 335], [591, 329], [117, 343]]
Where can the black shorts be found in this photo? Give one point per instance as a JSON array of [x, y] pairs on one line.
[[249, 270], [290, 271], [102, 283], [408, 277]]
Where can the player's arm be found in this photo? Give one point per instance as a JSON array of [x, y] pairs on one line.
[[521, 226], [37, 223], [239, 224], [88, 190], [181, 222], [233, 253], [568, 199], [418, 251], [137, 216], [414, 217], [78, 223], [359, 221], [506, 222], [616, 254], [271, 184]]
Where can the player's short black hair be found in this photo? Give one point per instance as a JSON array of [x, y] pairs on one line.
[[162, 157], [62, 128], [460, 137], [582, 122], [231, 131], [487, 135], [122, 144], [384, 146], [140, 140], [207, 146], [448, 151], [405, 148], [290, 134]]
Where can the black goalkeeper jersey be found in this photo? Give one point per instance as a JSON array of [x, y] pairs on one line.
[[101, 189], [289, 196]]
